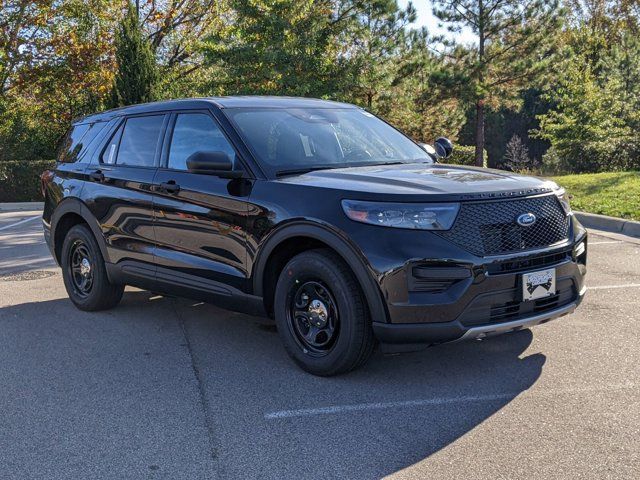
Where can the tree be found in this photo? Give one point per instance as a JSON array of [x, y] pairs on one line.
[[517, 155], [282, 47], [514, 45], [417, 101], [56, 63], [375, 41], [595, 120], [175, 30], [136, 76]]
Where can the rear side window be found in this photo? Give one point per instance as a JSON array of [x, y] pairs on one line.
[[75, 143], [135, 143]]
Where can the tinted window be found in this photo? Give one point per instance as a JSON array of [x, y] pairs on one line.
[[139, 141], [69, 148], [196, 132], [75, 143], [315, 137], [110, 152]]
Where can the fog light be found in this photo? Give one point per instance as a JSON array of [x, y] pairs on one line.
[[579, 250]]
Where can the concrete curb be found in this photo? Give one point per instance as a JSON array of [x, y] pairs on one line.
[[609, 224], [21, 206]]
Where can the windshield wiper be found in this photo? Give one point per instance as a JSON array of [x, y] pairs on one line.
[[373, 164], [300, 171]]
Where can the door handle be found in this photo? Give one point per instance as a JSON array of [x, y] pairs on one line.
[[97, 176], [170, 187]]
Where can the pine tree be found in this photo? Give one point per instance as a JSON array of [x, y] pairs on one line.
[[279, 47], [594, 122], [416, 102], [321, 48], [136, 77], [375, 41], [514, 44]]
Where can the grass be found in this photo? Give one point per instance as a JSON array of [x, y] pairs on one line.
[[616, 194]]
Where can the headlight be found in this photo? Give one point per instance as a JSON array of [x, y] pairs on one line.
[[563, 197], [421, 216]]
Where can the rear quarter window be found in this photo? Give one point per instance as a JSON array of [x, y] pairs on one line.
[[75, 142]]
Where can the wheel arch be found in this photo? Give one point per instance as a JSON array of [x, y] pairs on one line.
[[71, 212], [304, 236]]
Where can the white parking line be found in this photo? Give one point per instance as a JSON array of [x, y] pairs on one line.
[[306, 412], [337, 409], [605, 287], [26, 220], [605, 243]]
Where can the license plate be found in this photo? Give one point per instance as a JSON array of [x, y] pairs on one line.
[[538, 284]]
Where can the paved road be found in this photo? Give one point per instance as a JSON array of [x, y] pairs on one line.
[[170, 388]]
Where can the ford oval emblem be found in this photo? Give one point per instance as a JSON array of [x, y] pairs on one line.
[[526, 219]]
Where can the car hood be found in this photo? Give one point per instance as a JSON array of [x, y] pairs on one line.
[[420, 179]]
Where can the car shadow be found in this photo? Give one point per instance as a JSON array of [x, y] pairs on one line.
[[390, 414], [161, 352]]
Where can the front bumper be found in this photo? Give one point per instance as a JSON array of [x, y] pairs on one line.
[[449, 294], [410, 335]]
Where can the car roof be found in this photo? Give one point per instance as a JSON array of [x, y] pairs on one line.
[[248, 101]]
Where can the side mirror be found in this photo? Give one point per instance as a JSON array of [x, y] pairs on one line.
[[212, 163], [443, 147]]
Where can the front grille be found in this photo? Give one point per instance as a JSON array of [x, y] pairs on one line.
[[490, 228], [529, 264]]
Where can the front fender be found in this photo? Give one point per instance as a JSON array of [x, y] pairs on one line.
[[336, 240]]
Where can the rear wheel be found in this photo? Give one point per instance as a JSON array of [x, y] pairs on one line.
[[84, 274], [322, 315]]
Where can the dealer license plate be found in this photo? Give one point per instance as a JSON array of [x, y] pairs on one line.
[[538, 284]]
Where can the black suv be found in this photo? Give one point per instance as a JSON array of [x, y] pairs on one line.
[[313, 212]]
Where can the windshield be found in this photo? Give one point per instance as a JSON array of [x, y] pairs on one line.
[[302, 139]]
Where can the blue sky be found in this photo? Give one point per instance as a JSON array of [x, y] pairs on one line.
[[426, 19]]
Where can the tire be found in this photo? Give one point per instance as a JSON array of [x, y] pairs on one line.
[[317, 289], [87, 283]]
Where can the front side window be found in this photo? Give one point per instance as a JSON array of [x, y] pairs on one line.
[[306, 138], [196, 132]]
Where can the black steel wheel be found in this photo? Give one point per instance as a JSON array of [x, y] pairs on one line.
[[322, 315], [313, 316], [84, 273], [81, 268]]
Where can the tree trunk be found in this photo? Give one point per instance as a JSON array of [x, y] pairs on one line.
[[480, 133], [480, 102]]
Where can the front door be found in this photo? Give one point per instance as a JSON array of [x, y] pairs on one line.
[[199, 219]]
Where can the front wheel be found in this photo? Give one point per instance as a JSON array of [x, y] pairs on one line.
[[84, 273], [322, 315]]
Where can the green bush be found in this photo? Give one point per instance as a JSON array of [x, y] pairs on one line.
[[20, 180], [465, 155]]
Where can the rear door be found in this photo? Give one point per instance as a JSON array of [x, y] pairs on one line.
[[200, 219], [74, 154], [118, 191]]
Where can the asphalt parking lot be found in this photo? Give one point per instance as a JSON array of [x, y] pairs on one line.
[[171, 388]]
